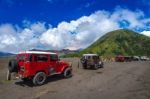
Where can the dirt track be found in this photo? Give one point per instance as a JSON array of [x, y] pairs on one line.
[[130, 80]]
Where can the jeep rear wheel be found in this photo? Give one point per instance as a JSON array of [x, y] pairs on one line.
[[67, 72], [39, 78], [84, 66]]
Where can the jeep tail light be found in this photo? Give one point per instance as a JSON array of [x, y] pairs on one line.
[[22, 68]]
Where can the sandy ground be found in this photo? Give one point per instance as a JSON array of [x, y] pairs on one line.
[[128, 80]]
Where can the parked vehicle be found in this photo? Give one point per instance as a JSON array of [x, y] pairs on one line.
[[37, 65], [128, 58], [92, 61], [144, 58], [136, 58], [120, 58]]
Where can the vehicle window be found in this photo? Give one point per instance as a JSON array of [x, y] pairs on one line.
[[54, 57], [24, 57], [21, 58], [88, 57], [41, 58], [29, 58], [95, 57]]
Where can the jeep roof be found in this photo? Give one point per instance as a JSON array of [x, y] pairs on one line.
[[90, 55], [35, 52]]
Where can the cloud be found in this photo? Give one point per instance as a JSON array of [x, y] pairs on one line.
[[75, 34], [147, 33], [135, 19], [14, 40], [79, 33]]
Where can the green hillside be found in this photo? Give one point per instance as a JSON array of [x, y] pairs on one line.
[[121, 41]]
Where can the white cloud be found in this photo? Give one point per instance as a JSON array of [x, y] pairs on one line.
[[133, 18], [7, 33], [14, 40], [38, 27], [147, 33], [75, 34], [79, 33]]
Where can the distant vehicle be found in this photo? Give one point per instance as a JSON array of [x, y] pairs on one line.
[[37, 65], [136, 58], [144, 58], [92, 61], [128, 58], [120, 58]]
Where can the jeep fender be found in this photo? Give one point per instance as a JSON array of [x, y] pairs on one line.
[[66, 66], [45, 71]]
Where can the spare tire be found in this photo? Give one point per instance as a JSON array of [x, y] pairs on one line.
[[8, 75], [13, 66]]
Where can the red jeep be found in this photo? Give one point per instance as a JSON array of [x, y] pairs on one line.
[[120, 58], [37, 65]]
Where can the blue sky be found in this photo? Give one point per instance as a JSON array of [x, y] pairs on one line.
[[55, 11], [73, 24]]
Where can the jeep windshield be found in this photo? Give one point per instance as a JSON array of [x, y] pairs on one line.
[[95, 57]]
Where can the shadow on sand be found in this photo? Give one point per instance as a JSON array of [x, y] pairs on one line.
[[48, 80]]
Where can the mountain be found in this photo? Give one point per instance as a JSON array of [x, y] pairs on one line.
[[5, 54], [123, 41]]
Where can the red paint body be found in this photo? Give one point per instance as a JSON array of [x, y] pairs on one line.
[[30, 64], [120, 58]]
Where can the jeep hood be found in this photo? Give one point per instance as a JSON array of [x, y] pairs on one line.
[[64, 63]]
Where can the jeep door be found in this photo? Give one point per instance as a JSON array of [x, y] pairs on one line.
[[41, 63], [54, 62]]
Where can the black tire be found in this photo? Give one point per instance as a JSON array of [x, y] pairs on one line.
[[84, 66], [67, 73], [96, 66], [8, 75], [39, 78], [102, 65], [83, 61], [13, 66]]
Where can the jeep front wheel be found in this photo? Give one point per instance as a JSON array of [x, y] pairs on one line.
[[67, 72], [96, 66], [101, 65], [39, 78]]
